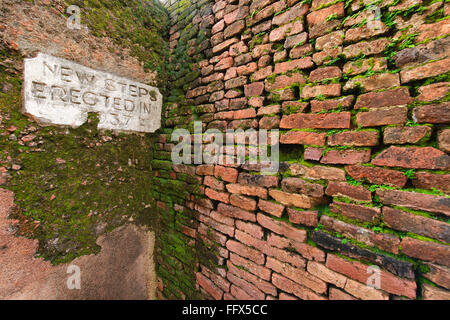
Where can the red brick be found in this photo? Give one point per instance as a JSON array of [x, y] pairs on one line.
[[243, 202], [325, 73], [294, 288], [330, 104], [224, 45], [239, 13], [346, 156], [339, 120], [364, 32], [408, 222], [208, 286], [330, 40], [258, 180], [301, 51], [320, 16], [374, 82], [285, 31], [358, 272], [305, 250], [444, 140], [433, 30], [382, 117], [262, 285], [234, 29], [297, 275], [433, 91], [307, 218], [284, 81], [225, 229], [439, 275], [296, 40], [236, 82], [244, 114], [266, 12], [336, 294], [282, 228], [426, 71], [314, 154], [413, 157], [354, 138], [295, 200], [427, 251], [387, 98], [224, 64], [354, 211], [246, 252], [327, 90], [250, 228], [271, 208], [262, 74], [269, 123], [364, 292], [415, 200], [250, 289], [234, 212], [435, 113], [303, 137], [383, 241], [291, 14], [226, 174], [427, 180], [294, 106], [433, 293], [303, 63], [405, 135], [353, 68], [325, 274], [254, 89], [366, 48], [217, 195], [248, 190], [377, 175], [260, 271], [300, 186], [358, 193]]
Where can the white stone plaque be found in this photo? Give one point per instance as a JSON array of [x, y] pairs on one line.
[[61, 92]]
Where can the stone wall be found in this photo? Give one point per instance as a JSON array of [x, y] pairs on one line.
[[363, 109]]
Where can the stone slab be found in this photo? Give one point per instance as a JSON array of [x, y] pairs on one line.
[[61, 92]]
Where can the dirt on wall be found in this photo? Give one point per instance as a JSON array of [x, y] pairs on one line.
[[81, 196]]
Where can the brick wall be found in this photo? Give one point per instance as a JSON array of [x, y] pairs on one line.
[[363, 110]]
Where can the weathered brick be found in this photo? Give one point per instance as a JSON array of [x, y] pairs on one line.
[[303, 63], [366, 48], [300, 186], [297, 275], [325, 274], [415, 200], [433, 293], [208, 286], [226, 174], [384, 241], [358, 193], [382, 117], [303, 137], [374, 82], [435, 113], [353, 68], [295, 200], [234, 212], [285, 31], [248, 190], [339, 120], [354, 138], [307, 218], [439, 275], [444, 140], [246, 252], [377, 175], [327, 90], [239, 13], [330, 104], [330, 40], [294, 288], [336, 294], [346, 156], [405, 135], [258, 270], [427, 251], [242, 202], [234, 29], [386, 98], [291, 14], [427, 180], [258, 180], [364, 292], [364, 32], [433, 91], [325, 73], [284, 81], [296, 40], [262, 285], [282, 228], [271, 208], [252, 229], [354, 211], [408, 222], [217, 195], [426, 71], [413, 157]]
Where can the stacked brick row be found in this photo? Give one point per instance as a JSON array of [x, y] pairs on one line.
[[363, 111]]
